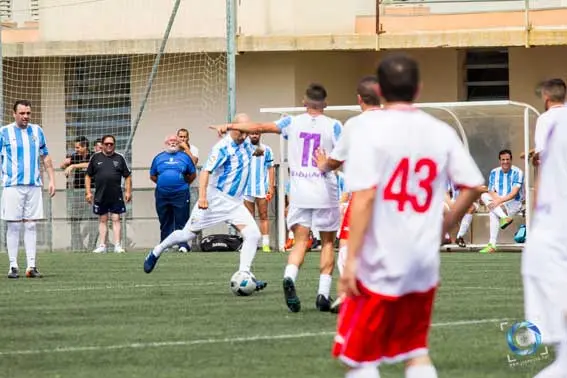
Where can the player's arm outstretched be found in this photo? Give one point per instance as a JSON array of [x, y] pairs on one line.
[[254, 127]]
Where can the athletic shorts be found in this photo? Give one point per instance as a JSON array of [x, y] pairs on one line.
[[343, 233], [103, 208], [253, 198], [546, 307], [22, 202], [325, 220], [374, 329], [221, 209]]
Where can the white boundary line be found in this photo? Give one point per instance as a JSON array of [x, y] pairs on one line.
[[229, 340], [444, 287]]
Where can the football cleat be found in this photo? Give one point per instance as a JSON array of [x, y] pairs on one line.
[[14, 273], [291, 299], [150, 262], [261, 285]]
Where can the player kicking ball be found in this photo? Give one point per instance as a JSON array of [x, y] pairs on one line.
[[314, 202], [368, 100], [397, 172], [221, 187], [544, 260]]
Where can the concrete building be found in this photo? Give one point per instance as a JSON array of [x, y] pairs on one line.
[[86, 64]]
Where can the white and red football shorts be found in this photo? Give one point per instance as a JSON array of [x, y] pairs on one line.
[[373, 328], [343, 234]]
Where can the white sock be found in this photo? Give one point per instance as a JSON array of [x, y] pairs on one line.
[[421, 371], [290, 234], [487, 199], [316, 234], [176, 237], [265, 240], [251, 237], [325, 281], [30, 243], [494, 228], [465, 224], [363, 372], [291, 271], [13, 242], [342, 259]]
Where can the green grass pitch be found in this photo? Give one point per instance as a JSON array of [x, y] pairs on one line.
[[102, 316]]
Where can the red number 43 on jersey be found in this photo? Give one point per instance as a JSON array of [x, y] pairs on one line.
[[425, 168]]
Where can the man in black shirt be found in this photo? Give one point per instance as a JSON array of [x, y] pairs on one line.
[[108, 168], [75, 166]]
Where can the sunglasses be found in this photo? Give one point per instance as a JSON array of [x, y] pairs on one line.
[[109, 144]]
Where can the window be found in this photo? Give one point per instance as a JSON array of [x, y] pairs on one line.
[[34, 9], [97, 99], [487, 75], [5, 10]]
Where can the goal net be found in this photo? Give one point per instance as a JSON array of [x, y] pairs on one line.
[[485, 127], [77, 97]]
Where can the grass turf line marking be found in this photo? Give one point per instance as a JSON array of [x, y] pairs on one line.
[[228, 340]]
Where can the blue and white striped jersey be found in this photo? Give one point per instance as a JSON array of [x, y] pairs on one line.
[[453, 190], [229, 164], [503, 183], [341, 186], [258, 178], [20, 150]]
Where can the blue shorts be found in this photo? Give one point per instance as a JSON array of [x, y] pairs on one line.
[[117, 207]]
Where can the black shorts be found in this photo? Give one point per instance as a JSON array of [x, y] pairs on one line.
[[103, 208]]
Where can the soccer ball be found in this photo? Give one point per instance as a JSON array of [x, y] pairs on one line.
[[243, 283]]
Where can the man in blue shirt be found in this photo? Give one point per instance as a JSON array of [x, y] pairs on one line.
[[173, 171]]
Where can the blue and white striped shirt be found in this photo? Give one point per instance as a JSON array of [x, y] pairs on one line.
[[341, 186], [258, 178], [20, 150], [503, 183], [229, 164]]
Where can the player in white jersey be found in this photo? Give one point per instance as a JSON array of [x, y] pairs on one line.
[[22, 146], [221, 187], [260, 188], [397, 171], [544, 260], [367, 98], [313, 195], [553, 93], [504, 197]]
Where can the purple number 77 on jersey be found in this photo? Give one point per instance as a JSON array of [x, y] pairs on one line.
[[307, 153]]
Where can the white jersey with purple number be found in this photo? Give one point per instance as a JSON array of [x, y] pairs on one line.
[[310, 188]]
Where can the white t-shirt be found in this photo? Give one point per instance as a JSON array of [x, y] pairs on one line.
[[545, 254], [194, 150], [340, 152], [408, 160], [309, 187], [543, 126]]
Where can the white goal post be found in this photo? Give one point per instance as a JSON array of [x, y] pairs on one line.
[[459, 114]]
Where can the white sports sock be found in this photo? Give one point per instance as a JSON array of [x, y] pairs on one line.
[[363, 372], [291, 271], [325, 281], [176, 237], [251, 237], [265, 240], [290, 234], [342, 259], [316, 234], [487, 199], [30, 243], [465, 224], [421, 371], [13, 242], [494, 228]]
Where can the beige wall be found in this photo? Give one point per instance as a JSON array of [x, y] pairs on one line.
[[136, 19], [528, 67]]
